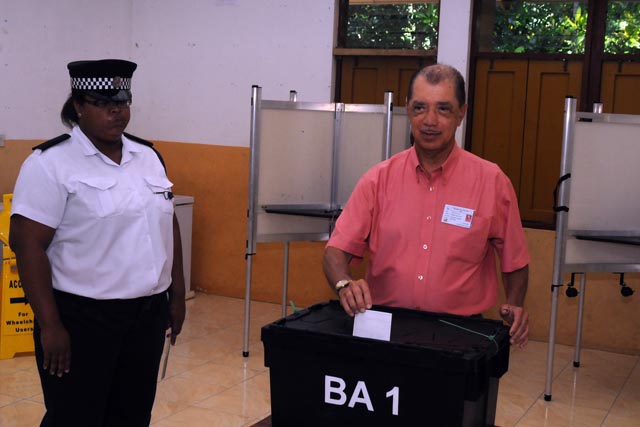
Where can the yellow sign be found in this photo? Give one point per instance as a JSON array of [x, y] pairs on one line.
[[16, 316], [5, 214]]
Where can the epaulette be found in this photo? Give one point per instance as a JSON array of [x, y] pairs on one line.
[[138, 139], [148, 144], [50, 143]]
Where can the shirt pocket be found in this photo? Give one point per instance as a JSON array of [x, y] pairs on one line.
[[97, 193], [161, 195], [469, 245]]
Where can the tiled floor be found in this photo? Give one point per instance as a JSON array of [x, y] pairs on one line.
[[209, 383]]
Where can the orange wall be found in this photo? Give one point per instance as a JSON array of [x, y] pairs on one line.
[[217, 177]]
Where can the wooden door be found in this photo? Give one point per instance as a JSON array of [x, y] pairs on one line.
[[549, 83], [517, 123], [498, 114], [365, 79], [620, 89]]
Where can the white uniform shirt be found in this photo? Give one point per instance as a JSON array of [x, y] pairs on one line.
[[114, 230]]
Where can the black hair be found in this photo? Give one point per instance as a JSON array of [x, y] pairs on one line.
[[69, 115], [437, 73]]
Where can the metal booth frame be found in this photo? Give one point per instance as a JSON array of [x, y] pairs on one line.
[[589, 241], [315, 217]]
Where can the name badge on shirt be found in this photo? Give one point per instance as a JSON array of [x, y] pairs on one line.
[[455, 215]]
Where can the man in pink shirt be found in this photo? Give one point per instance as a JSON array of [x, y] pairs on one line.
[[432, 219]]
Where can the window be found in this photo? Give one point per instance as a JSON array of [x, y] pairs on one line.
[[534, 26], [381, 44], [392, 25], [622, 34]]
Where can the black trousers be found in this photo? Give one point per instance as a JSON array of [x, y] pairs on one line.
[[116, 346]]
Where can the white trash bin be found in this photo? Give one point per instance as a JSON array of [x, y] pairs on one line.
[[184, 213]]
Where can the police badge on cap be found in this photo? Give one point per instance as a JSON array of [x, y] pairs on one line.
[[105, 78]]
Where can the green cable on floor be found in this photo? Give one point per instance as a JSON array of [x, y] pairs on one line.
[[293, 306]]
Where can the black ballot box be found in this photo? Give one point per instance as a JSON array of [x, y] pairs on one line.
[[437, 369]]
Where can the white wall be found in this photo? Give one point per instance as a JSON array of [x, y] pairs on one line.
[[37, 40], [197, 60], [454, 36]]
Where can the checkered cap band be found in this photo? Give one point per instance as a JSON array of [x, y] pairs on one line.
[[100, 83]]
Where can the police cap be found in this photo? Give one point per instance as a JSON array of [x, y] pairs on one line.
[[108, 79]]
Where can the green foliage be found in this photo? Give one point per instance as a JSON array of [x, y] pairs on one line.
[[519, 26], [623, 28], [406, 26], [554, 27]]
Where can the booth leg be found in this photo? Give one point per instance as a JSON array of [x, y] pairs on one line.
[[552, 341], [247, 308], [576, 354]]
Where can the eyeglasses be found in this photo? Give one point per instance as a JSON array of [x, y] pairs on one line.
[[107, 105]]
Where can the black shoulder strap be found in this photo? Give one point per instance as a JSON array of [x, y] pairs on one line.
[[50, 143], [138, 139], [148, 144]]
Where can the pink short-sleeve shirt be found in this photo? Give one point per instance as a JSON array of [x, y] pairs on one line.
[[431, 240]]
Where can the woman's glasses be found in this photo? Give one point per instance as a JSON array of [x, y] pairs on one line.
[[107, 105]]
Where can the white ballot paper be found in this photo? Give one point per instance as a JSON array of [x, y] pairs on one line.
[[372, 324]]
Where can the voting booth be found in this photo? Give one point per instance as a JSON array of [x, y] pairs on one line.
[[305, 159], [436, 370], [597, 207]]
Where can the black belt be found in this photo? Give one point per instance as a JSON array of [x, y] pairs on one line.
[[107, 302]]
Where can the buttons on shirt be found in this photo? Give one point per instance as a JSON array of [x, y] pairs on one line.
[[420, 277], [429, 218], [425, 247]]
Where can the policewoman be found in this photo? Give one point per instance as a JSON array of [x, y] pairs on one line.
[[98, 253]]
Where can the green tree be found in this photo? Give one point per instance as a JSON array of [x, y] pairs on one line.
[[519, 26], [406, 26], [623, 28], [553, 27], [550, 27]]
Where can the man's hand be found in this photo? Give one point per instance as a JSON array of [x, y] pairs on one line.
[[518, 319], [355, 298], [56, 348]]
